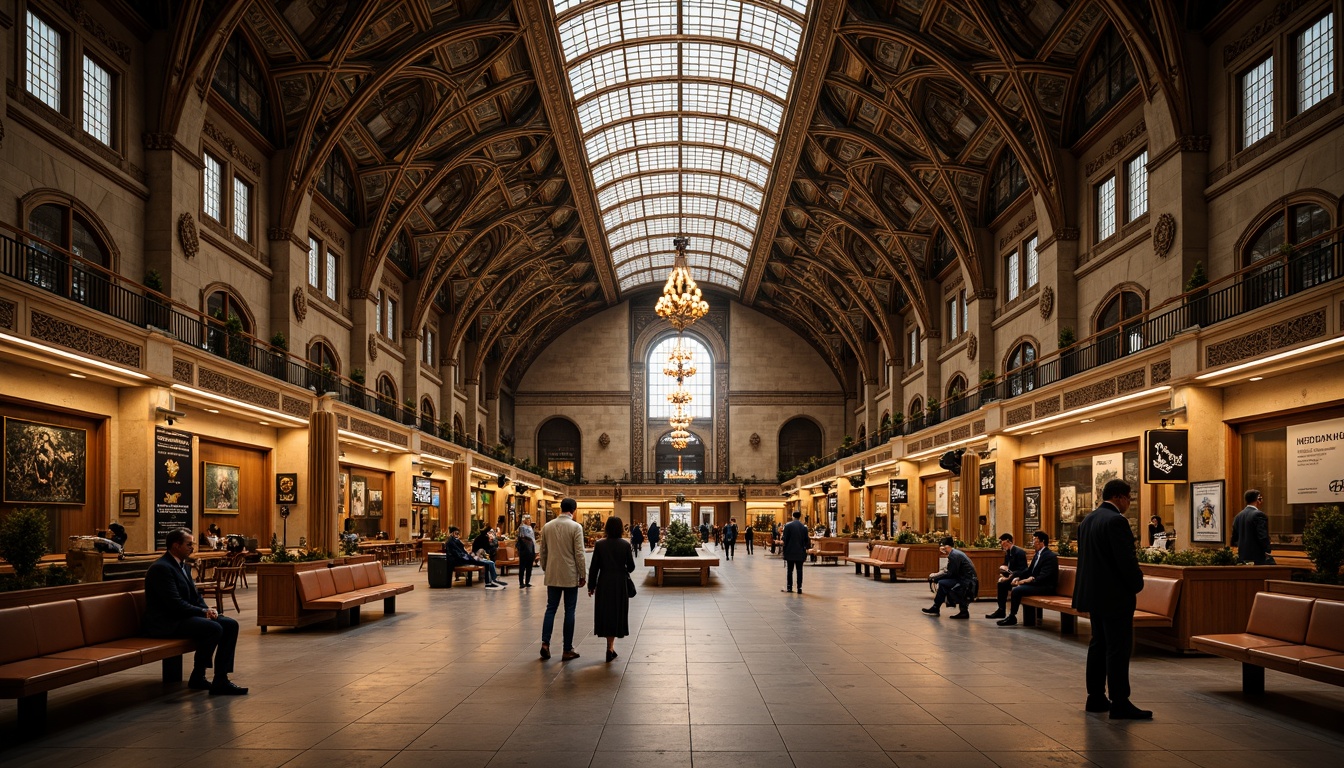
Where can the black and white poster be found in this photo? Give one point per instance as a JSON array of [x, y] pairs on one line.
[[421, 491], [1166, 456], [832, 512], [173, 487], [988, 478], [899, 493], [1031, 511]]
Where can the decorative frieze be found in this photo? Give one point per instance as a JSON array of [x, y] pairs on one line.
[[231, 147], [1018, 228], [183, 371], [942, 438], [1116, 147], [962, 432], [1019, 415], [8, 313], [613, 398], [978, 427], [1092, 393], [342, 421], [1277, 336], [369, 429], [1129, 381], [90, 342], [95, 30], [434, 449], [1160, 372], [295, 406], [227, 385], [331, 233], [1047, 407], [1280, 14]]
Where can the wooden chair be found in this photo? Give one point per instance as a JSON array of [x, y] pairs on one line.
[[239, 560], [225, 583]]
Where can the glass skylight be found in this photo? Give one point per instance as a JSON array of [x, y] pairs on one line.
[[680, 103]]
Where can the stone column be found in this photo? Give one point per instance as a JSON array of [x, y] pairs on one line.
[[323, 476]]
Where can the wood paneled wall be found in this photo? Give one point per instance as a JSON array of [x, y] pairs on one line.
[[256, 491], [97, 510]]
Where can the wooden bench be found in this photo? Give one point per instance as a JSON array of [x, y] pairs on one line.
[[829, 550], [344, 588], [506, 556], [1287, 633], [469, 571], [68, 635], [1155, 606], [698, 562], [883, 557]]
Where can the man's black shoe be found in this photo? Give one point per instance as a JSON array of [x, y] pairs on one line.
[[1127, 711], [930, 611], [999, 614], [965, 614], [198, 682], [1011, 621], [1098, 704], [225, 687]]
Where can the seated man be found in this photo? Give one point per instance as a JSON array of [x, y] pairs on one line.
[[1039, 578], [957, 583], [458, 555], [1014, 562], [173, 608]]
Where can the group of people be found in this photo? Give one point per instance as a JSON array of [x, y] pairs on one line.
[[726, 535]]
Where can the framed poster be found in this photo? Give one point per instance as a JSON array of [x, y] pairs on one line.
[[130, 502], [1206, 507], [44, 463], [174, 483], [287, 488], [358, 485], [1068, 504], [221, 488], [1105, 468], [988, 478], [374, 507], [1164, 456], [1031, 511], [421, 492], [940, 498], [1316, 462]]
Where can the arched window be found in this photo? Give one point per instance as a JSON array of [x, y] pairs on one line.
[[559, 449], [700, 385], [1128, 336], [668, 459], [387, 397], [240, 80], [222, 305], [53, 270], [1290, 240], [1107, 77], [323, 368], [1021, 369], [916, 407], [1007, 183], [957, 401], [799, 440], [863, 433], [458, 433], [321, 355], [427, 420], [335, 182]]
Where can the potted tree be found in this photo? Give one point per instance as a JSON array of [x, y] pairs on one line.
[[157, 312], [1197, 297], [1068, 361]]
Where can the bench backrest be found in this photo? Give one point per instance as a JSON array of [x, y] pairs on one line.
[[835, 545], [310, 586], [901, 553], [345, 581], [360, 575], [1159, 596], [506, 551], [1067, 575], [326, 585], [59, 623], [108, 617], [1326, 629], [377, 576], [19, 640], [1284, 617]]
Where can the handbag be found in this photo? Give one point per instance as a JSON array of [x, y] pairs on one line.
[[629, 587]]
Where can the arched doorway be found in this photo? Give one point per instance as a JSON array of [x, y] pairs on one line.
[[559, 449], [692, 458]]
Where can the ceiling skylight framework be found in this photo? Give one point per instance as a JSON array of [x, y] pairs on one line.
[[680, 104]]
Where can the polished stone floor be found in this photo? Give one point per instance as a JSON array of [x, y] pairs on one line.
[[736, 674]]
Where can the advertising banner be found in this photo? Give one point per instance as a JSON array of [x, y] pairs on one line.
[[173, 487], [421, 490], [1031, 511], [988, 479], [1316, 462], [1165, 454]]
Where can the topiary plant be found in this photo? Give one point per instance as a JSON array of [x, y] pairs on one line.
[[680, 541], [23, 541], [1323, 538]]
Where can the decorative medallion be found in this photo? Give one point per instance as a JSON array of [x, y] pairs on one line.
[[373, 348], [1164, 234], [604, 440], [755, 440], [972, 345], [1047, 301], [300, 302], [186, 235]]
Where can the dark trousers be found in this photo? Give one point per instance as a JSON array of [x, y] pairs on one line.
[[728, 548], [947, 593], [789, 567], [216, 639], [749, 538], [526, 559], [1025, 590], [571, 595], [1004, 588], [636, 545], [1108, 654]]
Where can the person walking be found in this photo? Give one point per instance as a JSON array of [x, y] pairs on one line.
[[636, 538], [562, 561], [747, 538], [653, 538], [795, 543], [1107, 582], [704, 533], [613, 562], [527, 552], [1250, 531], [730, 537]]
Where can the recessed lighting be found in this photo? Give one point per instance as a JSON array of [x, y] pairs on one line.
[[375, 450], [1087, 421], [212, 410], [1037, 432], [78, 376], [264, 423], [1257, 378]]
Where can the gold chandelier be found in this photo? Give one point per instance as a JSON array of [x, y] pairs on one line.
[[681, 303]]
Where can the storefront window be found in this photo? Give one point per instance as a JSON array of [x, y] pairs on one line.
[[1264, 466], [1078, 484], [942, 504]]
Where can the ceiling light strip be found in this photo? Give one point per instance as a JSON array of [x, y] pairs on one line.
[[47, 349]]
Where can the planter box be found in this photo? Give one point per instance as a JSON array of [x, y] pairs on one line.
[[920, 561], [1215, 599], [987, 562], [278, 595]]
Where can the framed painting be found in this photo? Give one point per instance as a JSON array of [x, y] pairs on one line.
[[358, 485], [220, 488], [130, 502], [1207, 506], [374, 508], [44, 463]]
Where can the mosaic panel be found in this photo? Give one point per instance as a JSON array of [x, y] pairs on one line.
[[183, 371], [1130, 381], [342, 421], [296, 407], [361, 427], [1161, 372], [1047, 407], [942, 438], [962, 432], [67, 334], [1092, 393], [8, 311], [1277, 336], [978, 427], [1019, 415], [238, 389]]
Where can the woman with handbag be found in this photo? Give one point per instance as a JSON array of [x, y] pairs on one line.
[[609, 578]]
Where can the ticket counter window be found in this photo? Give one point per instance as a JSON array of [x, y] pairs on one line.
[[1077, 490]]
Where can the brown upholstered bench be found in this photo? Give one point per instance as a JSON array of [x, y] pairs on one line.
[[44, 646], [1155, 606], [883, 557], [344, 588], [829, 550], [506, 556], [1299, 635]]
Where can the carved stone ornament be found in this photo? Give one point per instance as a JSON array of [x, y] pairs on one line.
[[1047, 301], [373, 348], [755, 440], [300, 302], [604, 440], [187, 236], [972, 346], [1164, 234]]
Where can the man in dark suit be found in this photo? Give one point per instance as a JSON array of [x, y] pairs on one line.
[[957, 583], [1039, 578], [173, 608], [1250, 531], [1014, 561], [795, 551], [1108, 580]]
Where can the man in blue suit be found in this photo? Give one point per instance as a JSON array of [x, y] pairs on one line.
[[173, 608]]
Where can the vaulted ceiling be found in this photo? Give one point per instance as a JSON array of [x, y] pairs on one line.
[[489, 178]]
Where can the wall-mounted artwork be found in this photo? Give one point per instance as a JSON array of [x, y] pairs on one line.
[[358, 485], [221, 488], [375, 505], [44, 463]]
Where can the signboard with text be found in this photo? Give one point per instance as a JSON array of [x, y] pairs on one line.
[[173, 487], [1316, 462]]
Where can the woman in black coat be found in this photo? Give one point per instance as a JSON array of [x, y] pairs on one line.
[[613, 562], [636, 538]]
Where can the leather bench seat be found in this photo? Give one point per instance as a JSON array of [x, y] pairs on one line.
[[1287, 633], [344, 588]]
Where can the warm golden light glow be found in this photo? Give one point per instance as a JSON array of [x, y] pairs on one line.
[[681, 303]]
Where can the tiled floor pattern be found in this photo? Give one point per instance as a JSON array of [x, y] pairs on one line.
[[738, 674]]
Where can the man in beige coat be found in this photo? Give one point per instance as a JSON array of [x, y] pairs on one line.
[[562, 559]]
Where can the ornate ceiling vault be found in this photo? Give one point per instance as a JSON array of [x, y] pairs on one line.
[[520, 166]]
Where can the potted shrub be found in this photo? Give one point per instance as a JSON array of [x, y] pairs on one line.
[[23, 542], [1323, 538], [680, 541], [240, 349], [1067, 355], [277, 355], [931, 411], [1196, 299], [987, 394], [157, 313]]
